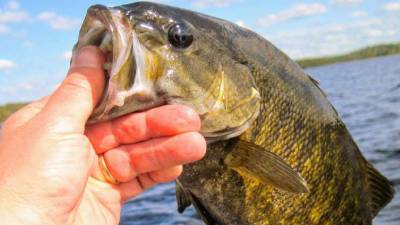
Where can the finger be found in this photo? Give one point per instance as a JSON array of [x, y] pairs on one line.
[[145, 181], [25, 114], [127, 162], [72, 103], [165, 175], [132, 189], [162, 121]]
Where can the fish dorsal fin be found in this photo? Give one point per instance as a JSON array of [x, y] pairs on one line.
[[381, 190], [316, 83], [182, 198], [254, 161]]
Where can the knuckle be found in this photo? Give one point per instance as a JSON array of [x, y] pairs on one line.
[[126, 131], [76, 81], [119, 167], [190, 115], [197, 147], [167, 175], [146, 181]]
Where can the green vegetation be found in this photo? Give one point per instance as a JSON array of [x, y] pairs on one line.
[[368, 52], [8, 109]]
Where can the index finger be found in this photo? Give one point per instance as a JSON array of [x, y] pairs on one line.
[[163, 121]]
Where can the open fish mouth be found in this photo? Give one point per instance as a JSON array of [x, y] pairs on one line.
[[111, 31], [143, 71]]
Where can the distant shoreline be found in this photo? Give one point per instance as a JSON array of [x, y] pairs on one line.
[[364, 53], [8, 109]]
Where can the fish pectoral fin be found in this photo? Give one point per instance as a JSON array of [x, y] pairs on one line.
[[182, 198], [380, 188], [256, 162]]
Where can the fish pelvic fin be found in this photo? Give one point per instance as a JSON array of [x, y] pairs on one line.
[[256, 162], [207, 218], [182, 198], [186, 198], [381, 190]]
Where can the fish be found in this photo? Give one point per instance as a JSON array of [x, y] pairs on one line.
[[278, 151]]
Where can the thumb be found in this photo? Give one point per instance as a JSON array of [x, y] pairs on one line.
[[70, 106]]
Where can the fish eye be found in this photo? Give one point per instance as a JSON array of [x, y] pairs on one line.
[[179, 35]]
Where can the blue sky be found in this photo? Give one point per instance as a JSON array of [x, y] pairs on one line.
[[36, 36]]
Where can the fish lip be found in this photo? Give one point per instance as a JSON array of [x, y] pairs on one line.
[[116, 24], [151, 104], [143, 107]]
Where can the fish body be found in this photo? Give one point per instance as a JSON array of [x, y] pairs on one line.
[[278, 151]]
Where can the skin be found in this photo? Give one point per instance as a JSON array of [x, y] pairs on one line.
[[229, 75], [225, 65], [49, 172]]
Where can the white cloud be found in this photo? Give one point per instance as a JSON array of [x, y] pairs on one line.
[[11, 13], [391, 32], [241, 23], [297, 11], [332, 39], [12, 5], [157, 1], [67, 55], [3, 29], [392, 6], [6, 64], [211, 3], [25, 86], [346, 2], [13, 16], [359, 14], [373, 33], [58, 22]]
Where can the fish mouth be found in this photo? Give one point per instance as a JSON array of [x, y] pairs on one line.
[[111, 31], [132, 71]]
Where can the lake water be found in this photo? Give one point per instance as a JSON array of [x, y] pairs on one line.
[[366, 94]]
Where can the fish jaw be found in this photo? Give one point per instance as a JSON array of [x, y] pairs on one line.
[[129, 87], [141, 76]]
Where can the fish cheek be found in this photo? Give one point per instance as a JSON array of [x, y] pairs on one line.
[[236, 102]]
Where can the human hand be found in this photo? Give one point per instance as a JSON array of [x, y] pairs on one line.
[[49, 170]]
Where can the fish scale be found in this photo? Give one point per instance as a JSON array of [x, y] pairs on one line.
[[278, 153]]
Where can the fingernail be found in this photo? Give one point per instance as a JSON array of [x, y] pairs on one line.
[[88, 56]]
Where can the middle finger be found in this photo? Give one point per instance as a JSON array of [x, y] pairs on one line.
[[166, 120], [129, 161]]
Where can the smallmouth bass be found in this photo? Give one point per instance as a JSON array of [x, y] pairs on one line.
[[278, 152]]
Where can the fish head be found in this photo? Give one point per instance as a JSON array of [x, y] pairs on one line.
[[158, 55]]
